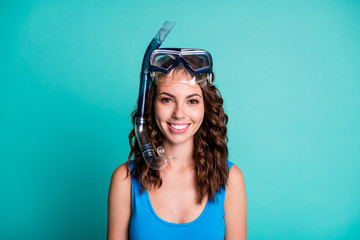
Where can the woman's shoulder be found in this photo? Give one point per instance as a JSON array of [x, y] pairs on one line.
[[121, 181], [120, 185], [235, 174], [235, 185], [235, 205], [121, 174], [119, 202]]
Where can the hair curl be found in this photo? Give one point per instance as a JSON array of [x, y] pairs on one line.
[[210, 154]]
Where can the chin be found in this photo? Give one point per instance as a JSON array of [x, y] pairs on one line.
[[178, 140]]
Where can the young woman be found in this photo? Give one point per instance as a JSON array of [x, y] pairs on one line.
[[198, 194]]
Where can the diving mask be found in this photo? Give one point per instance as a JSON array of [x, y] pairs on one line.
[[196, 63]]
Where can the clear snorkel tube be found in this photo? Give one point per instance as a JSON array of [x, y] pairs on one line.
[[151, 159]]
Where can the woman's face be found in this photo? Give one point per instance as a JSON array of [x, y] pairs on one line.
[[179, 109]]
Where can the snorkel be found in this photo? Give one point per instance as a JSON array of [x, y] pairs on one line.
[[154, 161]]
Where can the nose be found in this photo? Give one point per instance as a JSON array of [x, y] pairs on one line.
[[179, 112]]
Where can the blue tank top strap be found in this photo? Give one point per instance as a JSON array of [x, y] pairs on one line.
[[221, 194], [135, 187], [230, 164]]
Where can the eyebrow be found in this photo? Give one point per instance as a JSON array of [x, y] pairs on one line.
[[172, 96]]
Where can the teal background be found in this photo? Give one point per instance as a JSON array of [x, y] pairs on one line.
[[288, 71]]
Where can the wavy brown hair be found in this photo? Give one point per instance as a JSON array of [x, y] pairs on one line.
[[210, 154]]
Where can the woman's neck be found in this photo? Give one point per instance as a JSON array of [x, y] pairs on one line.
[[182, 154]]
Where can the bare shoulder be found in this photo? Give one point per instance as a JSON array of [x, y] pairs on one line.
[[236, 178], [120, 188], [121, 175], [235, 205], [119, 203], [235, 188]]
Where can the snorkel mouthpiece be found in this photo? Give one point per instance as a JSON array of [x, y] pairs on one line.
[[148, 153], [152, 160]]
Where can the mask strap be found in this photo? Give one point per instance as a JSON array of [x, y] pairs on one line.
[[209, 78]]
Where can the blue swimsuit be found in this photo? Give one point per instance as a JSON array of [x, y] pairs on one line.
[[145, 224]]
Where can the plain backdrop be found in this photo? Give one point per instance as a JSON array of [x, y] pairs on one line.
[[289, 73]]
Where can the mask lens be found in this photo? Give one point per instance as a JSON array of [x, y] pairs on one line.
[[162, 60], [197, 61]]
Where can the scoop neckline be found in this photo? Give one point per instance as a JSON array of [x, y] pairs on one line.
[[170, 223]]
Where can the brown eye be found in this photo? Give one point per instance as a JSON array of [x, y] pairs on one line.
[[193, 101], [165, 100]]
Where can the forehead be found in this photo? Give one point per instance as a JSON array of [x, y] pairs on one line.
[[179, 89], [179, 83]]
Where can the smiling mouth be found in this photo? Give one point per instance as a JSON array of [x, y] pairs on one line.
[[178, 128]]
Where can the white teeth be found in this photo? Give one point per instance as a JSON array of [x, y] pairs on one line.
[[179, 127]]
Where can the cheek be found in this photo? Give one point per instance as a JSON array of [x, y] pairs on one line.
[[201, 117], [160, 114], [202, 112], [157, 114], [198, 115]]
